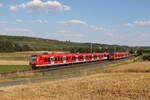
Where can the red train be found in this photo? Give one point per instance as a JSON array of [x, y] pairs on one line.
[[45, 59], [113, 56]]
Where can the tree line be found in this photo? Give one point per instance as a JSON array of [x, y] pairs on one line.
[[9, 46]]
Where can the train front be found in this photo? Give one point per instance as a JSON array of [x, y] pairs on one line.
[[33, 61]]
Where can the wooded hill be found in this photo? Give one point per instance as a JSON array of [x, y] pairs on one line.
[[22, 43]]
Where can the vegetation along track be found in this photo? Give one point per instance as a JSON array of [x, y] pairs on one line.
[[62, 68]]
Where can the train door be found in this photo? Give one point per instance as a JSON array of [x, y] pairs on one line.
[[68, 59], [73, 58], [52, 60], [64, 59], [56, 60]]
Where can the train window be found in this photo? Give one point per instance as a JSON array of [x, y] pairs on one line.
[[56, 59], [52, 59], [45, 60], [49, 60], [64, 58], [95, 56], [67, 58], [61, 59], [73, 58], [112, 54], [33, 59], [90, 57], [80, 57]]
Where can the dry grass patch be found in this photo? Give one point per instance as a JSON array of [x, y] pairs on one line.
[[103, 86], [11, 62], [133, 67]]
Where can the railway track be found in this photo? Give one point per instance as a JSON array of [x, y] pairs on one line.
[[46, 70], [58, 70]]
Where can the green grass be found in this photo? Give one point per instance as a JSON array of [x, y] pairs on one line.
[[15, 58], [13, 68]]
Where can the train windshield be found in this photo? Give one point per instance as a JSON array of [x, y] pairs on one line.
[[33, 59]]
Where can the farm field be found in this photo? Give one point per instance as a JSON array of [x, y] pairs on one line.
[[133, 67], [118, 83], [14, 59]]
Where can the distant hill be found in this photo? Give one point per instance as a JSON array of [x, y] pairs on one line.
[[23, 43], [41, 44]]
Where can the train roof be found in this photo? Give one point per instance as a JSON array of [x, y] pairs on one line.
[[46, 53]]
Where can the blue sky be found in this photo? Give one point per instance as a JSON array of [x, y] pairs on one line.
[[124, 22]]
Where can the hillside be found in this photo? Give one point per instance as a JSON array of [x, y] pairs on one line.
[[39, 43], [22, 43]]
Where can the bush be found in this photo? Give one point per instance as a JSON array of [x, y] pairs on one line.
[[138, 53], [9, 46], [146, 57]]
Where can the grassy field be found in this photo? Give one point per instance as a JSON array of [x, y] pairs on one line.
[[126, 84], [15, 58], [133, 67], [13, 68], [14, 62]]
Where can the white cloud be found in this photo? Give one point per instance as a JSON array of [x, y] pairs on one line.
[[61, 31], [95, 28], [71, 22], [6, 22], [101, 29], [11, 22], [17, 30], [129, 24], [40, 21], [64, 33], [142, 23], [19, 20], [1, 5], [139, 23], [73, 35], [13, 8], [39, 5]]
